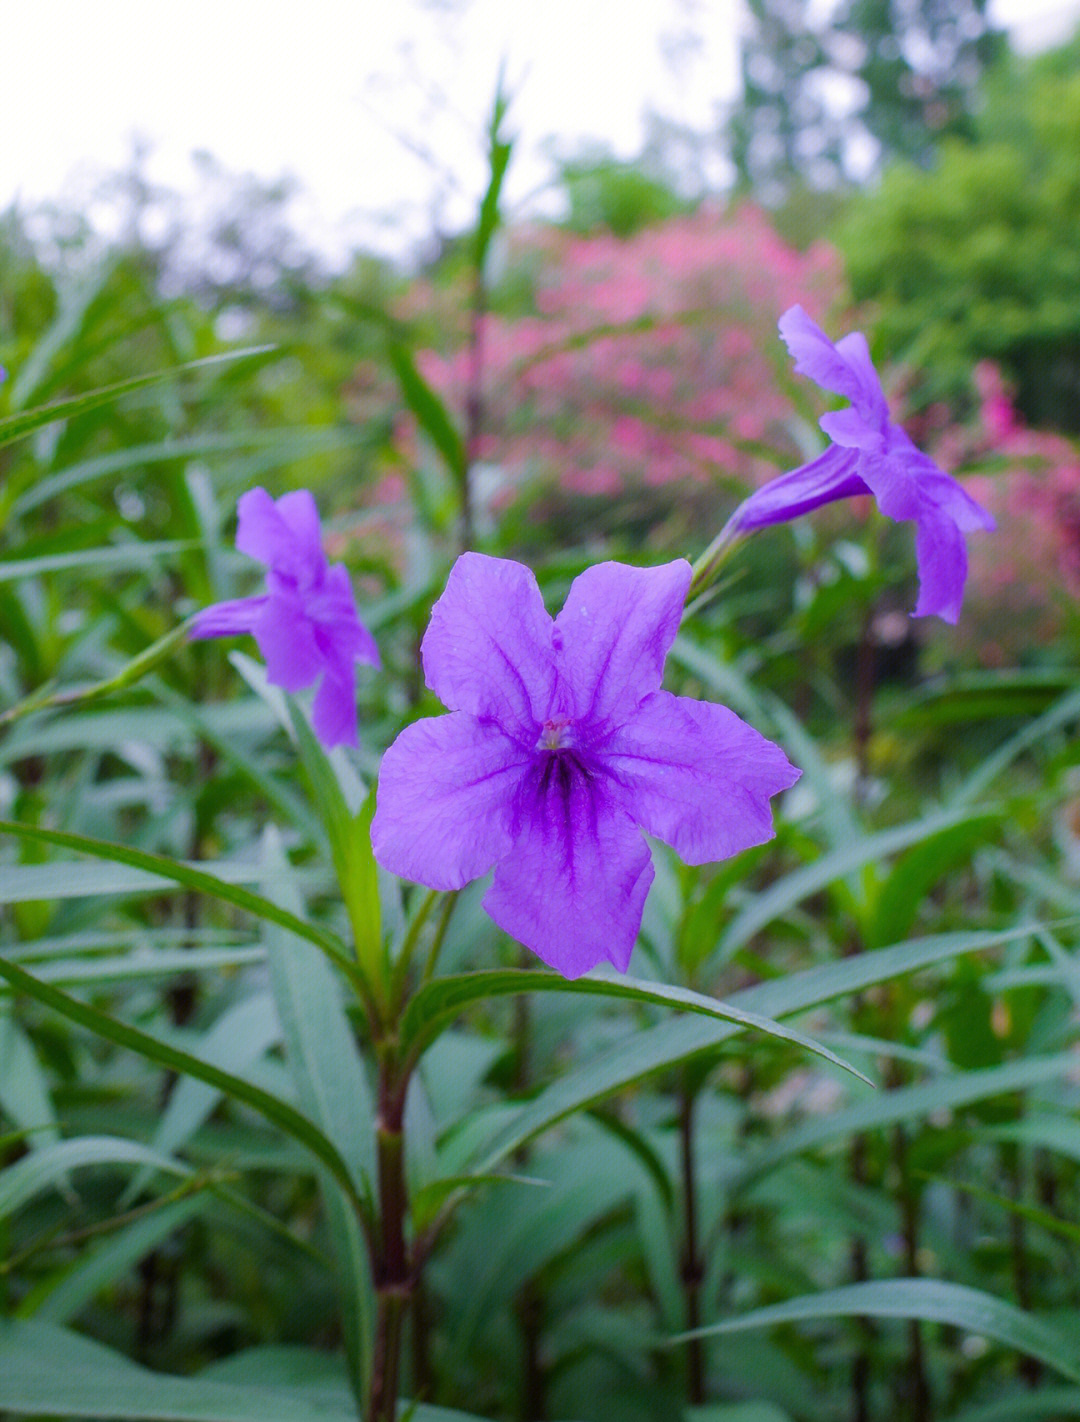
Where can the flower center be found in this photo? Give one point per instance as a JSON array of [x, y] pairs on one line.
[[556, 734]]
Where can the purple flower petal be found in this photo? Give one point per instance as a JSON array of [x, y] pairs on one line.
[[845, 368], [227, 619], [333, 712], [283, 535], [830, 476], [332, 607], [942, 493], [488, 647], [942, 559], [614, 632], [573, 887], [447, 787], [850, 429], [696, 776], [287, 640]]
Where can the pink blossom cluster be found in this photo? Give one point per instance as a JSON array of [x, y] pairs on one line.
[[645, 362], [1022, 583]]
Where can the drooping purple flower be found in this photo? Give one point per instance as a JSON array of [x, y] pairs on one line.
[[559, 749], [305, 623], [870, 455]]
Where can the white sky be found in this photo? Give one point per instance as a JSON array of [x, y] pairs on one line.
[[327, 88]]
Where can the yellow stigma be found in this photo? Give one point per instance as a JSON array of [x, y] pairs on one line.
[[553, 734]]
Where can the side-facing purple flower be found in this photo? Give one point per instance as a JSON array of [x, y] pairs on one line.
[[305, 623], [870, 455], [559, 749]]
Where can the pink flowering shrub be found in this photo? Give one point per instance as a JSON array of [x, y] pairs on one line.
[[1023, 583], [645, 364]]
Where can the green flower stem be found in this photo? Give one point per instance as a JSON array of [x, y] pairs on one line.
[[392, 1267], [399, 978], [440, 933], [707, 566], [692, 1266], [48, 696]]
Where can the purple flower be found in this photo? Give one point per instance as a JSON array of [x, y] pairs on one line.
[[305, 623], [870, 455], [560, 749]]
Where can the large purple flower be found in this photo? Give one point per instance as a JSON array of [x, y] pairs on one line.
[[870, 455], [560, 749], [305, 623]]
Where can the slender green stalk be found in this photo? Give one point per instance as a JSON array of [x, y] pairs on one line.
[[440, 934], [707, 566], [391, 1265], [400, 975], [49, 695], [692, 1268]]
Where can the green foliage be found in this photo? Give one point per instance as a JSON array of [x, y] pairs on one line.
[[604, 193], [976, 257], [912, 68], [245, 1076]]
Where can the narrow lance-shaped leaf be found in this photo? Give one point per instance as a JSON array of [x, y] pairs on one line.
[[431, 413], [349, 833], [672, 1042], [440, 1001], [886, 1108], [785, 893], [333, 1090], [932, 1301], [42, 1168], [272, 1107], [190, 878], [63, 1295], [46, 1371], [16, 426]]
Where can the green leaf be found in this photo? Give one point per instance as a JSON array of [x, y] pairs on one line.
[[499, 150], [943, 1093], [45, 1371], [24, 1092], [285, 445], [323, 1059], [349, 833], [174, 871], [1048, 1404], [931, 1301], [916, 872], [333, 1090], [16, 426], [116, 558], [43, 1168], [64, 1295], [790, 890], [672, 1042], [431, 413], [1060, 1134], [1060, 714], [240, 1036], [429, 1199], [137, 966], [272, 1107], [443, 999]]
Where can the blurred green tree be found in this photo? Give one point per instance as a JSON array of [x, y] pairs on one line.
[[978, 258], [825, 101]]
